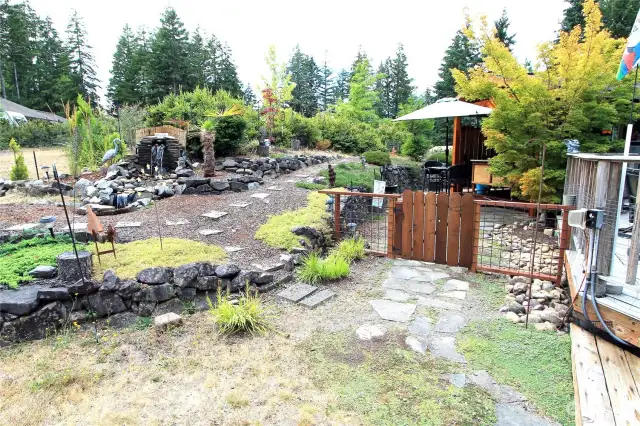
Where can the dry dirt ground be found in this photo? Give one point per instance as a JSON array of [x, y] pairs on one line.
[[45, 157]]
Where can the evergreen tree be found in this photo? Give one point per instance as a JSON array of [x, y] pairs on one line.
[[81, 62], [248, 96], [384, 87], [462, 54], [142, 60], [20, 30], [52, 67], [4, 46], [305, 74], [228, 74], [197, 56], [618, 16], [572, 16], [125, 82], [326, 87], [169, 68], [341, 90], [400, 82], [502, 30], [362, 99], [220, 71]]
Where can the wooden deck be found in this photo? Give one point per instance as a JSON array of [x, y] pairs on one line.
[[606, 381]]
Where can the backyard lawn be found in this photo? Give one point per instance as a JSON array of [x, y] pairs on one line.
[[45, 156]]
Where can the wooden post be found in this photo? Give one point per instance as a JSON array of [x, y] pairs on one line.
[[564, 244], [391, 206], [336, 216], [476, 237], [398, 216], [634, 250], [604, 248]]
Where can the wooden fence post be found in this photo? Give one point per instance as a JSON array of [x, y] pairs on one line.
[[398, 215], [564, 239], [336, 215], [476, 237], [391, 220]]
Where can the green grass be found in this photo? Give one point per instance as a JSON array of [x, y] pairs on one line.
[[276, 231], [315, 269], [488, 290], [137, 255], [17, 259], [351, 249], [245, 316], [348, 174], [386, 385], [538, 364], [310, 185]]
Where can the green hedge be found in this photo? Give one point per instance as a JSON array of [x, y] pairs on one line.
[[34, 134], [379, 158]]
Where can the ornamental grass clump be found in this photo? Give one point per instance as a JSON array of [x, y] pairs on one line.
[[314, 268], [246, 316], [351, 249]]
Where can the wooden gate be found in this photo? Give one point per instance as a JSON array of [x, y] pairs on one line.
[[435, 228]]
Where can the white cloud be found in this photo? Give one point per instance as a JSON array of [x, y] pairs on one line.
[[338, 27]]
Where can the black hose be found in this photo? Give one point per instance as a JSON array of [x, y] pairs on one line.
[[590, 287]]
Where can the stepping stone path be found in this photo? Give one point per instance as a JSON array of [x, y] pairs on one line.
[[177, 222], [411, 283], [306, 295], [207, 232], [231, 249], [241, 205], [22, 227], [214, 214], [128, 224], [274, 188], [260, 195]]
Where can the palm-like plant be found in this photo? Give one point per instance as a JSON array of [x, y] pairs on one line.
[[208, 136]]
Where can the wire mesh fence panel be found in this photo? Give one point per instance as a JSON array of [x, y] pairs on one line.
[[518, 239]]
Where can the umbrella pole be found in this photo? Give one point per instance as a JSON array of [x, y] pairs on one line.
[[446, 142]]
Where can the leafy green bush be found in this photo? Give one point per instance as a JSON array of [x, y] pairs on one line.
[[315, 269], [17, 259], [246, 316], [438, 156], [347, 134], [19, 170], [323, 145], [348, 174], [379, 158], [35, 133], [351, 249], [311, 186]]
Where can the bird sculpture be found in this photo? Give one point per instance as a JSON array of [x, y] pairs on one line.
[[111, 154]]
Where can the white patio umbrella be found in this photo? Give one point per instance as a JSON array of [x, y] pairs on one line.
[[445, 108]]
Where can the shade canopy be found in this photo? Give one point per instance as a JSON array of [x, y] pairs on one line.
[[444, 108]]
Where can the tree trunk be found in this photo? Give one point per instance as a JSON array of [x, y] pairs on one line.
[[208, 139]]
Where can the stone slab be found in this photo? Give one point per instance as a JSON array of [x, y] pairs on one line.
[[393, 311], [22, 227], [410, 263], [431, 302], [207, 232], [409, 285], [370, 332], [297, 292], [301, 176], [421, 327], [274, 188], [515, 415], [241, 205], [231, 249], [460, 295], [317, 298], [455, 285], [458, 380], [396, 295], [290, 181], [444, 346], [450, 322], [416, 345], [214, 214], [177, 222], [22, 301], [128, 224], [79, 226], [501, 393], [268, 268], [416, 274], [260, 195]]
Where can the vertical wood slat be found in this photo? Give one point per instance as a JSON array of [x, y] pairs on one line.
[[407, 223], [453, 229], [430, 227], [466, 231], [398, 217], [476, 237], [564, 244], [391, 208], [418, 225], [441, 228], [605, 240], [336, 215]]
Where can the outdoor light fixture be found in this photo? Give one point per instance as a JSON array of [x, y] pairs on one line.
[[49, 222]]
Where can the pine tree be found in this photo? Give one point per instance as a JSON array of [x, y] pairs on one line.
[[248, 96], [228, 73], [197, 61], [400, 82], [51, 66], [341, 90], [169, 66], [4, 46], [326, 87], [305, 74], [572, 15], [21, 25], [618, 16], [125, 82], [142, 61], [502, 30], [213, 72], [462, 54], [81, 62], [384, 87]]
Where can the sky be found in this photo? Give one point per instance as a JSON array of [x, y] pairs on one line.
[[332, 27]]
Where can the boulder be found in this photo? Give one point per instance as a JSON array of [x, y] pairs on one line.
[[110, 281], [106, 303], [206, 269], [37, 325], [81, 187], [50, 294], [168, 320], [155, 275], [187, 294], [155, 293], [242, 280], [515, 307], [22, 301], [238, 186], [207, 283], [144, 309], [227, 271], [550, 315], [44, 272], [520, 287], [545, 326], [122, 320], [229, 163], [263, 278], [194, 181], [126, 289], [512, 316], [80, 288], [185, 275], [219, 185]]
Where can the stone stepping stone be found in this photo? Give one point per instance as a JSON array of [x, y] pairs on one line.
[[297, 292], [450, 323], [393, 311], [445, 347], [411, 263], [416, 274], [458, 285], [430, 302], [515, 415], [317, 298], [458, 380], [207, 232], [231, 249], [416, 345], [177, 222], [501, 393], [128, 224], [460, 295], [370, 332], [301, 176], [22, 227], [396, 295], [214, 214], [241, 205], [421, 327], [260, 195], [275, 188], [409, 285], [291, 181]]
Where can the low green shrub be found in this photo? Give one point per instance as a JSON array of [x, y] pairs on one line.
[[351, 249], [323, 144], [314, 268], [310, 185], [246, 316], [35, 133], [438, 156], [379, 158], [19, 170]]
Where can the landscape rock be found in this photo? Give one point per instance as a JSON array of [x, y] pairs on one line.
[[154, 293], [186, 275], [110, 281], [370, 332], [21, 301], [229, 270], [545, 326], [50, 294], [165, 321], [550, 315], [37, 325], [512, 316], [206, 269], [207, 283], [515, 307], [155, 275], [106, 303], [241, 281], [80, 288], [127, 288], [44, 272]]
